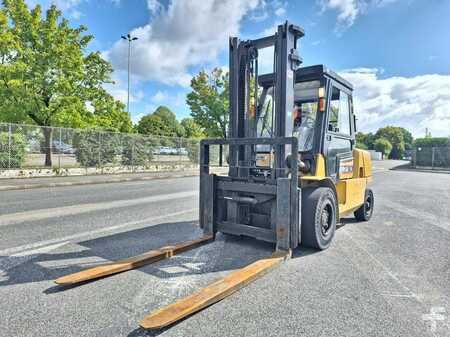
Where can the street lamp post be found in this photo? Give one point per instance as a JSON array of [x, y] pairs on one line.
[[129, 39]]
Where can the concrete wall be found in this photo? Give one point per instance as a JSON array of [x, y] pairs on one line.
[[376, 155]]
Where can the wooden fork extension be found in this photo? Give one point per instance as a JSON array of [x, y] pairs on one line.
[[212, 293], [132, 262]]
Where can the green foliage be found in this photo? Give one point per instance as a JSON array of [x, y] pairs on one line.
[[407, 138], [193, 149], [12, 151], [395, 136], [384, 146], [94, 149], [209, 102], [138, 150], [361, 146], [191, 129], [163, 122], [431, 142], [47, 77], [366, 138]]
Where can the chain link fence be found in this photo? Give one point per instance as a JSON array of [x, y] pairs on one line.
[[34, 147], [432, 157]]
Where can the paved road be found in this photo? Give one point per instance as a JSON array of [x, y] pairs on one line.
[[377, 279]]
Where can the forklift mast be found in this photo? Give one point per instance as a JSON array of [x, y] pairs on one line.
[[244, 112], [245, 202]]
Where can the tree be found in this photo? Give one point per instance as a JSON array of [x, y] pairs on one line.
[[162, 122], [209, 102], [365, 138], [407, 138], [384, 146], [47, 77], [191, 129], [152, 125], [361, 146], [12, 150], [431, 142], [394, 135]]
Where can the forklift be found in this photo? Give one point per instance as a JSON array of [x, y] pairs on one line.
[[293, 169]]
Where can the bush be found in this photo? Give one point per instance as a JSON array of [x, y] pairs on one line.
[[432, 142], [384, 146], [13, 157], [193, 150], [138, 150], [361, 146], [96, 149]]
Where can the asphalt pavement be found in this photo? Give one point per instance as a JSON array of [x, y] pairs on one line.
[[387, 277]]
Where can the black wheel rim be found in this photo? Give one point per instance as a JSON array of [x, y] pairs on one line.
[[326, 219], [368, 205]]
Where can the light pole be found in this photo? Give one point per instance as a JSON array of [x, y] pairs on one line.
[[129, 39]]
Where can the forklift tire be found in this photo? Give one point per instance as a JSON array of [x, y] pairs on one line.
[[364, 213], [318, 217]]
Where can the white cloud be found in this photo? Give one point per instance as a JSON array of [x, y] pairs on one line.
[[280, 11], [121, 94], [349, 10], [415, 103], [154, 6], [76, 14], [159, 97], [184, 34]]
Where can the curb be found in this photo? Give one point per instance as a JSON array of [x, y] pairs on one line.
[[419, 170], [93, 182]]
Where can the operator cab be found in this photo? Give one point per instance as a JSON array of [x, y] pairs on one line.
[[323, 119]]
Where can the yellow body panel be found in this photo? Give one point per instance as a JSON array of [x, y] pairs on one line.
[[320, 173], [352, 186], [350, 194], [354, 177], [362, 164]]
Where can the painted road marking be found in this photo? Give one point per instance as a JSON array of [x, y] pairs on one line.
[[10, 219], [32, 246]]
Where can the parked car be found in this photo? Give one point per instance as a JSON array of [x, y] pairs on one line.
[[182, 151], [60, 147], [167, 150]]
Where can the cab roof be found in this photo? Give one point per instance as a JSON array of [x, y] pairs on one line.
[[307, 74]]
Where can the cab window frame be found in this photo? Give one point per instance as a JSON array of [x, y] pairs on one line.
[[348, 92]]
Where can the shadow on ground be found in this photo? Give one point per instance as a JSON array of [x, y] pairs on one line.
[[226, 253], [38, 267]]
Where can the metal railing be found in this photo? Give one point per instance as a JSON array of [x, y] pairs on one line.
[[28, 146], [431, 157]]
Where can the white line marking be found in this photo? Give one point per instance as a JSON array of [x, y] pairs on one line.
[[386, 269], [399, 295], [13, 250], [9, 219], [40, 250], [441, 222]]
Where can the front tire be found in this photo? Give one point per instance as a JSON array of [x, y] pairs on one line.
[[318, 217], [364, 213]]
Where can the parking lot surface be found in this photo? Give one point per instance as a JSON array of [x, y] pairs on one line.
[[386, 277]]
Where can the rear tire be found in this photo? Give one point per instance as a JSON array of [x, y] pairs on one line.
[[364, 213], [318, 217]]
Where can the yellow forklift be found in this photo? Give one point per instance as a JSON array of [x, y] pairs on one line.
[[293, 170]]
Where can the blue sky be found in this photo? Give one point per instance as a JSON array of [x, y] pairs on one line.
[[396, 52]]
